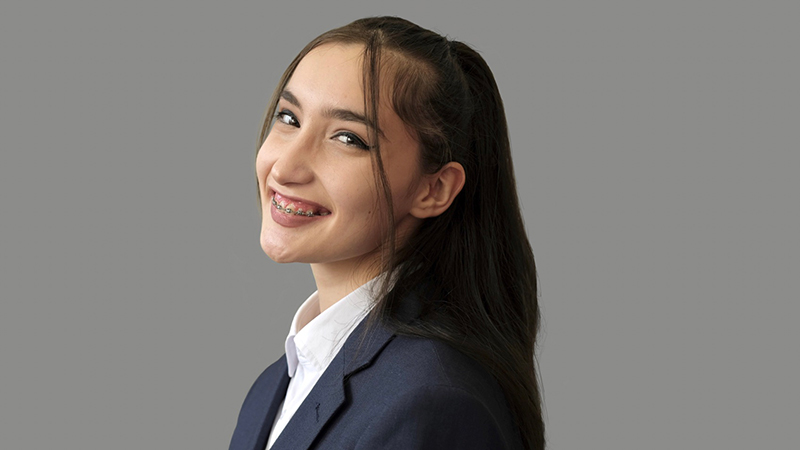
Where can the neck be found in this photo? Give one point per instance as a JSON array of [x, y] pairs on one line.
[[336, 280]]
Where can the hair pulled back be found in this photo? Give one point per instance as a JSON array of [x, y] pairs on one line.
[[474, 260]]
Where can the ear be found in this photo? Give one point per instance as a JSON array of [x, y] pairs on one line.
[[438, 190]]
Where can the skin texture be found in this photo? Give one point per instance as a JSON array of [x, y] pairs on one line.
[[314, 155]]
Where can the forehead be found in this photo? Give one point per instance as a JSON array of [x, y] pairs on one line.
[[330, 73]]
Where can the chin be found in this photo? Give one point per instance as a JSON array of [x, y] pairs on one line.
[[276, 252]]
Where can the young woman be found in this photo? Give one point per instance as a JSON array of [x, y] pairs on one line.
[[384, 162]]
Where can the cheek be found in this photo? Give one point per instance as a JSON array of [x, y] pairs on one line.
[[356, 198], [404, 184]]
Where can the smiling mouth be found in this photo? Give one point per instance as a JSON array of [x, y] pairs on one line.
[[292, 209]]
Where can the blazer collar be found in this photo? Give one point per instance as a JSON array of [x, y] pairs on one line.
[[260, 407], [328, 395]]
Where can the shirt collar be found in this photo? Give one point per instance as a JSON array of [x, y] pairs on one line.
[[324, 334]]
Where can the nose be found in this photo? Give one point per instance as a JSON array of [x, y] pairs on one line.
[[293, 160]]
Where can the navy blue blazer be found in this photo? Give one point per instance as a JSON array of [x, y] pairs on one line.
[[398, 392]]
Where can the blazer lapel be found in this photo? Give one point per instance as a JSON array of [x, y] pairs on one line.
[[260, 407], [328, 395]]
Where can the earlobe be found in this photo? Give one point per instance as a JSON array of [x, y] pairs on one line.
[[438, 190]]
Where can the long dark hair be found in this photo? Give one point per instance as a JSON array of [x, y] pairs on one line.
[[474, 259]]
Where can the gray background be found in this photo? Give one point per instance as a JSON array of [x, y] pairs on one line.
[[656, 147]]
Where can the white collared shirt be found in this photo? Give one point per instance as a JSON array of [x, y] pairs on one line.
[[310, 350]]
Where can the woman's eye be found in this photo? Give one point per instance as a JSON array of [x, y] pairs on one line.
[[352, 140], [287, 117]]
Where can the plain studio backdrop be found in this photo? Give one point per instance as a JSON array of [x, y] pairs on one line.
[[656, 152]]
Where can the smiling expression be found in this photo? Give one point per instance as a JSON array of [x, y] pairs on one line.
[[318, 193]]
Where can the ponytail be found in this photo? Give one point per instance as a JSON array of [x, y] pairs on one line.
[[475, 257], [506, 254]]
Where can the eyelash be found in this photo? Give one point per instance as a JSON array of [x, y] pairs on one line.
[[283, 113], [351, 139]]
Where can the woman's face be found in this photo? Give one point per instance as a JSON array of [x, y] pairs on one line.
[[316, 159]]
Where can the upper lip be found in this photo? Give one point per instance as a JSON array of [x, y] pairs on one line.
[[316, 206]]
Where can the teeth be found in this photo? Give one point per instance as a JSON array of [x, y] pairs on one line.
[[291, 208]]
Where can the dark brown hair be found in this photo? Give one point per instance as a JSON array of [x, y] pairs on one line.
[[474, 260]]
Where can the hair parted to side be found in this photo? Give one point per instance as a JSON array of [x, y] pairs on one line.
[[474, 260]]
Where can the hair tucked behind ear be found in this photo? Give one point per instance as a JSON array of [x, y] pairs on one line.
[[473, 262]]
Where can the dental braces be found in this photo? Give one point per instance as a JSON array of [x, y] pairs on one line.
[[296, 213]]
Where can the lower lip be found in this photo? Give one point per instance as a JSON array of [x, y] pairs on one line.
[[291, 220]]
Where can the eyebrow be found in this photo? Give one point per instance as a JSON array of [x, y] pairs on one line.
[[335, 113]]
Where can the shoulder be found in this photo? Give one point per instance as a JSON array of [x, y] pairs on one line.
[[425, 361], [424, 393], [274, 375]]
